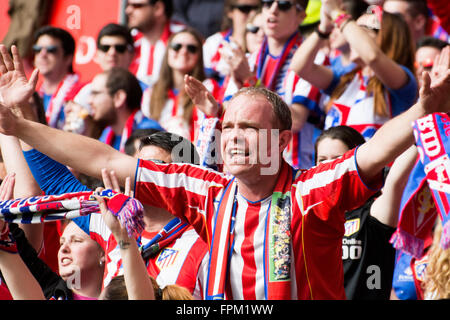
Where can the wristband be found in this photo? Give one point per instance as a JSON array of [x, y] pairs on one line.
[[321, 34]]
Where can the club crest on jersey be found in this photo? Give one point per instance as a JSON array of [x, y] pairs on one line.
[[166, 258], [351, 226]]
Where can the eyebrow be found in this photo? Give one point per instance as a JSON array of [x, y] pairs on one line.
[[242, 123]]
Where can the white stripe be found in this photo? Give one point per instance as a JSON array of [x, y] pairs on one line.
[[223, 237], [258, 244], [321, 179]]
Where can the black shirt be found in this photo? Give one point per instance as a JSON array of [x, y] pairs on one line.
[[367, 256]]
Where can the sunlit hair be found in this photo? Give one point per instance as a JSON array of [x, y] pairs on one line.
[[437, 273], [395, 41], [166, 82], [281, 112]]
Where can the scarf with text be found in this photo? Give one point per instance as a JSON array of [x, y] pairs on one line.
[[40, 209], [277, 242], [427, 194]]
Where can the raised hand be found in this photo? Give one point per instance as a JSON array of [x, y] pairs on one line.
[[200, 96], [15, 88], [435, 90]]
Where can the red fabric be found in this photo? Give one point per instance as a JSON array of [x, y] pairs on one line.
[[441, 9], [50, 247], [4, 292]]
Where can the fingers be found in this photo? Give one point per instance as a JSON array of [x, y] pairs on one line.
[[101, 203], [9, 65], [34, 78], [110, 180], [17, 61], [127, 187]]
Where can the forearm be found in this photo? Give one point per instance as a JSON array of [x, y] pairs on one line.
[[20, 281], [82, 153], [303, 63], [137, 280], [25, 185], [389, 142]]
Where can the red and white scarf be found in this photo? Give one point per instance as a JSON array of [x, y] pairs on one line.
[[58, 99], [126, 132], [277, 256]]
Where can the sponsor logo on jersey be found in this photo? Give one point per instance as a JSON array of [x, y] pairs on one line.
[[351, 226], [166, 258]]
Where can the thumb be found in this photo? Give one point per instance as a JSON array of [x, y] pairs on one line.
[[426, 82]]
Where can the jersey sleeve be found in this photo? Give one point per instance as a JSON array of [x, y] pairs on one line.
[[331, 189], [181, 189]]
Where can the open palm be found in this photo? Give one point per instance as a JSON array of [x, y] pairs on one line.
[[15, 88]]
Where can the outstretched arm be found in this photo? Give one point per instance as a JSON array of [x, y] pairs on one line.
[[386, 207], [83, 154], [396, 135], [20, 281]]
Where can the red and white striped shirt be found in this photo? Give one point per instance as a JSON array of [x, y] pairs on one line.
[[319, 198]]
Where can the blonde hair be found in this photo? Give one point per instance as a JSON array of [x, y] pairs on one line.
[[437, 274]]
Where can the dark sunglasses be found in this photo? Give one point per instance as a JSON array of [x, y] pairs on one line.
[[49, 49], [139, 5], [282, 5], [245, 8], [177, 46], [120, 48], [251, 28]]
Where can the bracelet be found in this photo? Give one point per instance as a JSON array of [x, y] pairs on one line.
[[321, 34]]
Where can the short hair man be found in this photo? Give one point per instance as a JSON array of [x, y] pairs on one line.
[[152, 24], [115, 48], [115, 101], [53, 55], [427, 49], [273, 233]]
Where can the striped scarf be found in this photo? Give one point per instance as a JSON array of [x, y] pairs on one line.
[[129, 211], [428, 189], [277, 258]]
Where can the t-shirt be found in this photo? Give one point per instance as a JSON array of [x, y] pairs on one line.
[[318, 199], [367, 255]]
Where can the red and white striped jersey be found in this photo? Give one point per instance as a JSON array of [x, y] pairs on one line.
[[148, 57], [319, 198], [180, 262]]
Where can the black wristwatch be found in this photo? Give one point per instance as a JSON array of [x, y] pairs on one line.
[[321, 34]]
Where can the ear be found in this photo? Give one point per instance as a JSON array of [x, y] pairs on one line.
[[284, 139], [301, 16], [120, 99], [158, 9]]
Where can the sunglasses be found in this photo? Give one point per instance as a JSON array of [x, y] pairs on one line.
[[426, 64], [120, 48], [245, 8], [49, 49], [140, 5], [282, 5], [191, 48], [252, 29]]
